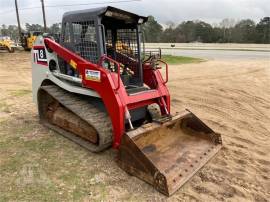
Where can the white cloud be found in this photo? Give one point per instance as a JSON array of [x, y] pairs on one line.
[[163, 10]]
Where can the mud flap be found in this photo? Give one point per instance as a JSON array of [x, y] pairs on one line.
[[168, 154]]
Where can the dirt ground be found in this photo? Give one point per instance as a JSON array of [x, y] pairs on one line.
[[233, 98]]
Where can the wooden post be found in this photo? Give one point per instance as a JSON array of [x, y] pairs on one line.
[[44, 16], [18, 21]]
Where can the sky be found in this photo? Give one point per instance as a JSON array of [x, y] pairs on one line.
[[211, 11]]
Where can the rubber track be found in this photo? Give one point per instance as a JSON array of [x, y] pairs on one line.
[[98, 119]]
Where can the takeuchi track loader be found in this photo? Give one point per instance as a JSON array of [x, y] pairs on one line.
[[99, 88]]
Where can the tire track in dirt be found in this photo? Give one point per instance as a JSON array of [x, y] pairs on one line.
[[233, 106], [214, 77], [17, 69]]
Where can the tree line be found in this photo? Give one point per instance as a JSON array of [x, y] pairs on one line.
[[13, 33], [228, 31]]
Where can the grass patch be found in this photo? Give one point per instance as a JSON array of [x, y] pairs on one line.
[[175, 60], [4, 107], [45, 169], [20, 92]]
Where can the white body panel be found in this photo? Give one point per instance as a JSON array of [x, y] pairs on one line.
[[41, 72]]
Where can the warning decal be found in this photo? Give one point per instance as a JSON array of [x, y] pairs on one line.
[[92, 75], [39, 54]]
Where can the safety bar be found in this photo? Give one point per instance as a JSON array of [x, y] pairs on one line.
[[105, 57], [167, 74], [104, 38]]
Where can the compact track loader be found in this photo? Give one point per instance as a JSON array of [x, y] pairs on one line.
[[99, 88], [7, 44]]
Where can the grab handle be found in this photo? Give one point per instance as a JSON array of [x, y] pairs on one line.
[[105, 57], [167, 74]]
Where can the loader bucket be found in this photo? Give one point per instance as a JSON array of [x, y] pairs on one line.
[[168, 154]]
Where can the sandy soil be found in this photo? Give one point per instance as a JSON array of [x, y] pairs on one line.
[[232, 98]]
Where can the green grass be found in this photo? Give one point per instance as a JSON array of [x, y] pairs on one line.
[[4, 107], [20, 92], [175, 60], [45, 167]]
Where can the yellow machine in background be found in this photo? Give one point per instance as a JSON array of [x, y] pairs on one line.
[[7, 44], [28, 39]]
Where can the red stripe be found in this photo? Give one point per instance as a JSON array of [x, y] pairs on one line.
[[38, 47], [42, 63]]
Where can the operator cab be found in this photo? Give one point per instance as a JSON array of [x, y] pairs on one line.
[[94, 32]]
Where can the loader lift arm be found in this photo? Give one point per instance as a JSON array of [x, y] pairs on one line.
[[109, 97]]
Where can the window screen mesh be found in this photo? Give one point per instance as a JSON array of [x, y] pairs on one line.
[[123, 47], [66, 37], [85, 42]]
